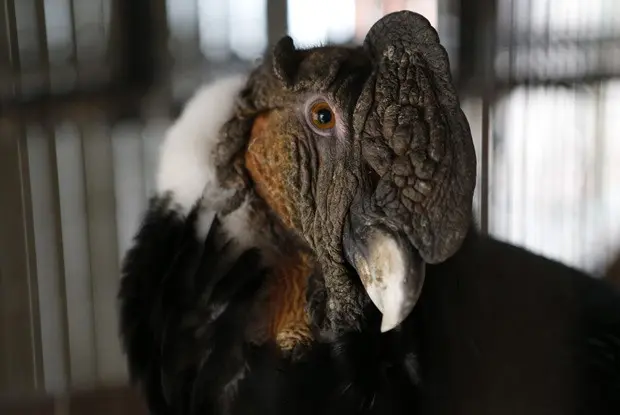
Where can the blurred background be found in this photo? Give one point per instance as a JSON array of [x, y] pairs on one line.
[[88, 88]]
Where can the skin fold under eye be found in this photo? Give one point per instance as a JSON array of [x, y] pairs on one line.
[[321, 117]]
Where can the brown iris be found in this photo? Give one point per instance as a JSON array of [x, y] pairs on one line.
[[322, 116]]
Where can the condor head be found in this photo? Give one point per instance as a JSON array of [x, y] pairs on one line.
[[363, 160]]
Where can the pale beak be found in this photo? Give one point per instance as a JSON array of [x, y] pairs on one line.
[[391, 270]]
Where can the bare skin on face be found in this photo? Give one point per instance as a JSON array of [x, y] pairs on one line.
[[287, 301], [268, 161]]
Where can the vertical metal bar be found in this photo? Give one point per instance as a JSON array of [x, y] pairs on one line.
[[33, 297], [49, 132], [89, 239], [484, 171], [6, 73], [62, 289], [11, 19], [103, 245], [48, 258], [114, 40], [508, 138], [159, 93], [525, 139], [77, 262], [20, 353], [488, 102], [139, 31], [74, 49], [43, 45], [276, 20], [598, 163]]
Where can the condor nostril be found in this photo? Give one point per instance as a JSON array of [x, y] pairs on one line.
[[372, 175]]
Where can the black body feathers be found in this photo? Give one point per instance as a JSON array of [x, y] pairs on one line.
[[497, 331]]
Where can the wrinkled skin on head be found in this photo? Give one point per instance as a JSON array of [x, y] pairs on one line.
[[388, 189]]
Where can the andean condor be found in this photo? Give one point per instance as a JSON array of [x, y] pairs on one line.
[[310, 250]]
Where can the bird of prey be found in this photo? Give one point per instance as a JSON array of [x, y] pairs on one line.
[[311, 250]]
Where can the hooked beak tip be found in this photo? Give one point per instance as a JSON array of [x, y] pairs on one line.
[[396, 307], [392, 273], [388, 323]]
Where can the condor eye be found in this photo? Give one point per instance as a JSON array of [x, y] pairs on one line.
[[322, 116]]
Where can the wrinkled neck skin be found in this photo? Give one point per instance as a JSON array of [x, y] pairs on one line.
[[295, 301]]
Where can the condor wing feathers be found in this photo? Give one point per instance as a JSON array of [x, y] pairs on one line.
[[184, 308], [176, 292]]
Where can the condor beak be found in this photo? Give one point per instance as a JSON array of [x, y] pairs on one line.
[[391, 270]]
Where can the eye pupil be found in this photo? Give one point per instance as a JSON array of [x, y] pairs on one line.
[[324, 116]]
